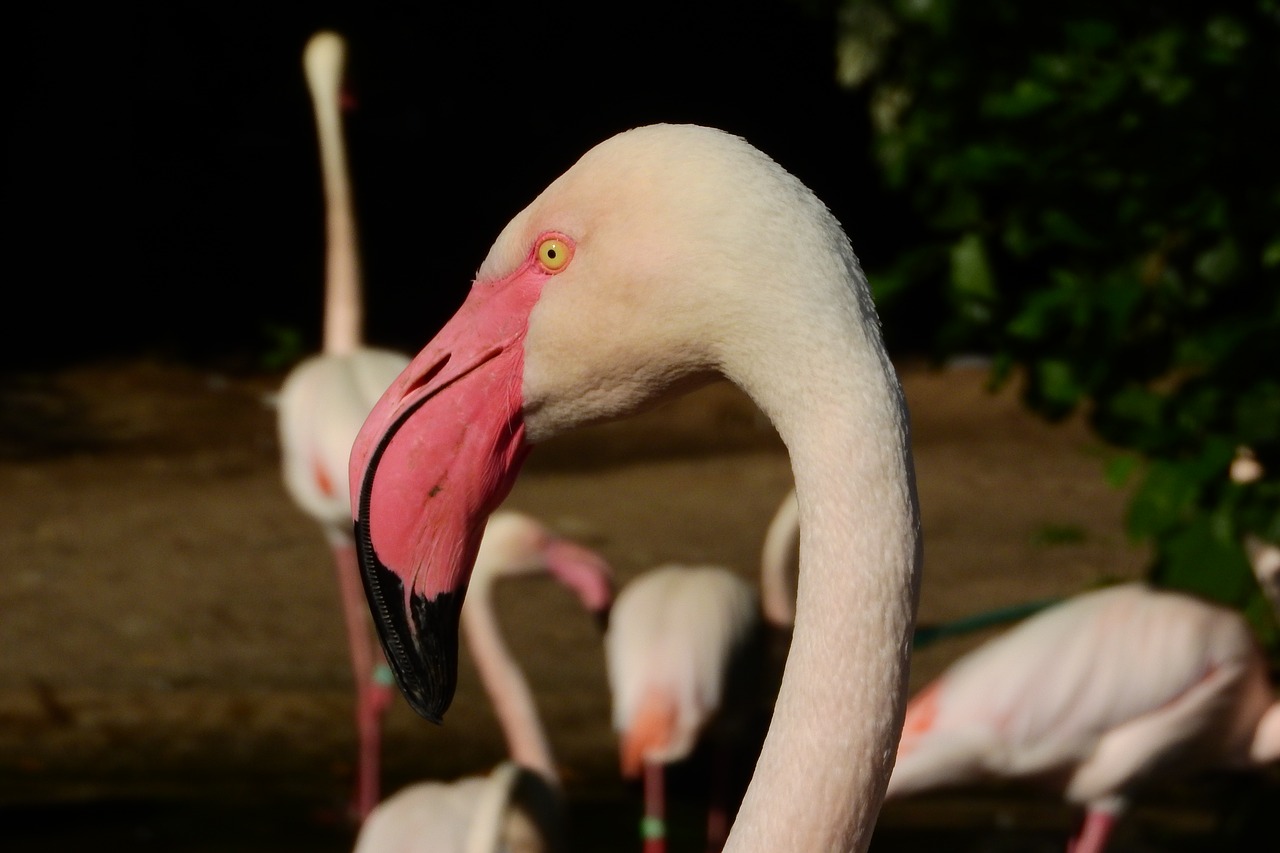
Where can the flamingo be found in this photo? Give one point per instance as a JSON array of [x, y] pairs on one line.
[[778, 567], [681, 652], [777, 581], [1098, 697], [517, 804], [666, 256], [1264, 556], [322, 403]]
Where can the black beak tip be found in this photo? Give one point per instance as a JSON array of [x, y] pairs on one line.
[[431, 712], [428, 675], [420, 642]]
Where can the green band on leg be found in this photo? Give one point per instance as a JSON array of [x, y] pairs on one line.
[[652, 828]]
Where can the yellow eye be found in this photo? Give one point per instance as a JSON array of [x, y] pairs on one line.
[[554, 253]]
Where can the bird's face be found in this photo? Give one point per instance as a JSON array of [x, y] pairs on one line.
[[601, 298], [443, 446]]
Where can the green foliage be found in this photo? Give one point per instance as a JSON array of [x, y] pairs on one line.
[[284, 347], [1096, 188]]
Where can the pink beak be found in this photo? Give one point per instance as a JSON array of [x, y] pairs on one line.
[[438, 453]]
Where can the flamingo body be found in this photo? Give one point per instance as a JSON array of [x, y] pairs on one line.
[[667, 256], [675, 636], [1097, 697], [683, 661], [321, 405]]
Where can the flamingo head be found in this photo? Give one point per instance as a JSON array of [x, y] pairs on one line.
[[516, 544], [637, 275]]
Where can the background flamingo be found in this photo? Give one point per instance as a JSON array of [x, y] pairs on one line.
[[515, 808], [323, 402], [1096, 697], [668, 255], [778, 566], [780, 563], [1264, 556], [683, 657]]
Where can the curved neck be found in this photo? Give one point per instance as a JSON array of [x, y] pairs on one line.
[[342, 301], [821, 775], [777, 564], [1266, 739], [505, 684]]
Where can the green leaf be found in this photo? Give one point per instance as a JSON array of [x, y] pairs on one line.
[[1271, 253], [1027, 96], [1056, 382], [1138, 407], [1220, 263], [1226, 36], [1060, 225], [970, 273], [1120, 468], [1163, 499], [1204, 562]]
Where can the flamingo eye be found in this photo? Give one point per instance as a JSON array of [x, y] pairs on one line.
[[554, 253]]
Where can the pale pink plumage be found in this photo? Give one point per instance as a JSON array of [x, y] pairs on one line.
[[516, 807], [680, 654], [1096, 698], [321, 405], [667, 256]]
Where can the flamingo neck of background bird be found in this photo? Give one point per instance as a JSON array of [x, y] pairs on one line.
[[1266, 740], [778, 564], [508, 689], [343, 312]]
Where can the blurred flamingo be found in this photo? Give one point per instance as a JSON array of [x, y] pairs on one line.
[[321, 405], [1097, 697], [683, 659], [1264, 556], [516, 808], [778, 566]]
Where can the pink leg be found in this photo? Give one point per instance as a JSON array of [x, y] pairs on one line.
[[718, 802], [1094, 832], [653, 826], [373, 681]]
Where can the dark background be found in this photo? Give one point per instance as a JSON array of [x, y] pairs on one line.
[[164, 177]]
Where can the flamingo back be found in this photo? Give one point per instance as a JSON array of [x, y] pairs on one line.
[[1102, 688]]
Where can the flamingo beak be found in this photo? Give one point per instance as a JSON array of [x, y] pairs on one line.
[[438, 453]]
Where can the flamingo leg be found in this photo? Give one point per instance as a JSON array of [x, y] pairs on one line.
[[373, 681], [653, 826], [1094, 832], [718, 810]]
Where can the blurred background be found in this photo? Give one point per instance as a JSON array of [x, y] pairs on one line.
[[1080, 202], [1088, 197], [179, 140]]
